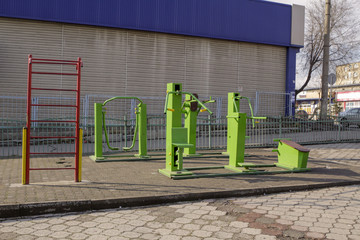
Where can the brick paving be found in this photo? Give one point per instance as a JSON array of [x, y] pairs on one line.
[[326, 213], [331, 163], [329, 213]]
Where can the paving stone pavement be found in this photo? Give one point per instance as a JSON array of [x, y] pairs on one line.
[[348, 153], [330, 164], [330, 213]]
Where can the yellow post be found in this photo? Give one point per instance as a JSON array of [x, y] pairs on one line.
[[80, 152], [23, 180]]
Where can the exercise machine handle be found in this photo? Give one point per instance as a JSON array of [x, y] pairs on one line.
[[251, 110], [188, 93], [256, 117], [113, 98], [136, 123], [209, 101]]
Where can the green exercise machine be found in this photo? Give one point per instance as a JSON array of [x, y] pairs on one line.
[[236, 130], [140, 132], [178, 138], [291, 156], [191, 109]]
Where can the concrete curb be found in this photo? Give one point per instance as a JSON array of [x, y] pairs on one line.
[[21, 210]]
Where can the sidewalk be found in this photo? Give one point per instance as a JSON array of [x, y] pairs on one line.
[[124, 184]]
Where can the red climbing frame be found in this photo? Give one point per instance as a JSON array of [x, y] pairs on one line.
[[78, 65]]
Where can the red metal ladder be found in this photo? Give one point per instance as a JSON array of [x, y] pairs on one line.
[[27, 131]]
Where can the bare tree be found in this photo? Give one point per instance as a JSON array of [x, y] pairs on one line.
[[344, 39]]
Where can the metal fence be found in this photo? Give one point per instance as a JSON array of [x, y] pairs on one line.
[[211, 130], [211, 134], [272, 103]]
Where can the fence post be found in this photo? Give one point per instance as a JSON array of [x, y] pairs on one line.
[[86, 110], [339, 131], [289, 103], [34, 100], [280, 126], [218, 107]]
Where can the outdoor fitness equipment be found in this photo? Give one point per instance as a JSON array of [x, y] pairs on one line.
[[177, 136], [291, 156], [236, 132], [191, 109], [100, 126], [31, 132]]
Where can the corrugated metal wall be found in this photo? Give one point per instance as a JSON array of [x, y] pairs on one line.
[[127, 62]]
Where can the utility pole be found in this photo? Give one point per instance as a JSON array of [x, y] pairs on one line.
[[325, 69]]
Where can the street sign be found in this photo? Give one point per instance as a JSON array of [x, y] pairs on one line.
[[331, 78]]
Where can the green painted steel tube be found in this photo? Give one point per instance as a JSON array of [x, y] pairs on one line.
[[113, 98], [173, 120], [251, 110], [136, 123], [188, 93], [236, 143], [190, 124], [233, 106], [135, 133], [98, 129], [142, 125], [106, 134]]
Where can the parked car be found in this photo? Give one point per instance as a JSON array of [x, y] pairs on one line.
[[350, 117], [302, 114]]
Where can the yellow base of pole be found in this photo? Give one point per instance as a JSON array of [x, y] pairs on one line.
[[23, 179], [80, 152]]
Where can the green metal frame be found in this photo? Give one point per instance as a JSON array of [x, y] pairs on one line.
[[290, 158], [140, 132], [177, 138], [236, 133], [190, 123]]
